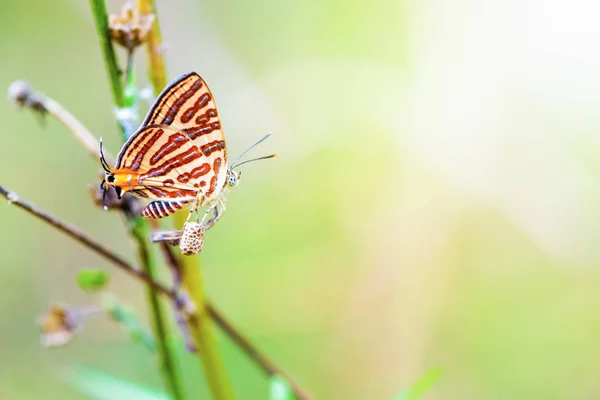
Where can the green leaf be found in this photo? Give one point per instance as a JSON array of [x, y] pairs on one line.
[[422, 385], [280, 389], [92, 279], [100, 386]]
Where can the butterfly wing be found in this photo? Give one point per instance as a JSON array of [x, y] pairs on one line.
[[187, 105], [165, 164]]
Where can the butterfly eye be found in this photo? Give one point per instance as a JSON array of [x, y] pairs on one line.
[[110, 178]]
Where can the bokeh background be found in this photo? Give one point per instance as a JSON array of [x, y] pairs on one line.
[[434, 202]]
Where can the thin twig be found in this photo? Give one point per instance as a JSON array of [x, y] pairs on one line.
[[86, 240], [267, 365], [24, 95]]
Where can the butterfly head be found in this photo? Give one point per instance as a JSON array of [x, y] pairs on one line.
[[233, 178]]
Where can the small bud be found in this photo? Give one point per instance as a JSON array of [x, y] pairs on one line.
[[92, 279], [58, 326], [19, 92], [192, 238], [22, 94], [130, 28]]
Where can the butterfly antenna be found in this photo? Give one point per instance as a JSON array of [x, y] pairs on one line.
[[254, 159], [250, 148], [102, 159]]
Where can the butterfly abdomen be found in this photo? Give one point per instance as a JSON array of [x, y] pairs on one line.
[[162, 209]]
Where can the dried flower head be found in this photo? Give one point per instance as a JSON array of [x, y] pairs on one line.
[[58, 326], [22, 94], [130, 28], [192, 238], [19, 92]]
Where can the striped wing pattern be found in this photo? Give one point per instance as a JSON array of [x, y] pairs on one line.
[[165, 165], [188, 106], [178, 155]]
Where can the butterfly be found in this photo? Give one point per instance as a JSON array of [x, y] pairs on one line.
[[178, 156]]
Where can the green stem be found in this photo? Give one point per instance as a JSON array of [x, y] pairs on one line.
[[200, 323], [166, 359], [202, 332], [110, 58], [140, 231], [157, 69]]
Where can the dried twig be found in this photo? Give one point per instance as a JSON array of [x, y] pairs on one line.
[[88, 241], [24, 95], [267, 365]]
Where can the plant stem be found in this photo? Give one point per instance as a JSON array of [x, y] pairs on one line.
[[26, 96], [157, 69], [148, 261], [264, 363], [108, 50], [84, 239], [201, 326], [202, 332], [139, 231]]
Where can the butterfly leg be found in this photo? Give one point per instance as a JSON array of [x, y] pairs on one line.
[[211, 208], [218, 208], [216, 215], [219, 211], [194, 208]]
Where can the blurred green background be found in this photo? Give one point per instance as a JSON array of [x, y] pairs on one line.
[[434, 202]]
